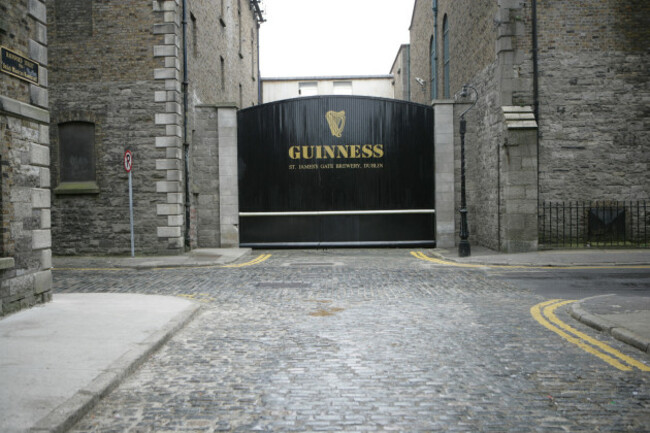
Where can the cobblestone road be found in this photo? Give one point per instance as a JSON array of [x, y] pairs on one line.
[[367, 340]]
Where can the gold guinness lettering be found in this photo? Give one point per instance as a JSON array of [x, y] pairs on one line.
[[340, 151]]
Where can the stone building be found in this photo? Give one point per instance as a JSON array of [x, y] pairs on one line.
[[25, 246], [158, 78], [401, 73], [562, 109]]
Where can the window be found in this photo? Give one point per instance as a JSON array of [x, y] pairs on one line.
[[434, 68], [308, 89], [445, 56], [342, 87], [195, 36], [77, 160]]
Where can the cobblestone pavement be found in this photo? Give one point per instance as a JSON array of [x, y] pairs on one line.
[[360, 340]]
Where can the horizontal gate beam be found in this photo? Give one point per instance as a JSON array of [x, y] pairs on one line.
[[340, 212]]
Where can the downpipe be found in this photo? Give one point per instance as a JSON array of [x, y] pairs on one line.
[[186, 144]]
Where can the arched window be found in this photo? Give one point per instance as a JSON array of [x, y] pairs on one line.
[[434, 68], [445, 56]]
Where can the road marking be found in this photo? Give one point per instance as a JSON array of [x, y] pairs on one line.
[[259, 259], [544, 313], [420, 255], [255, 261], [198, 297]]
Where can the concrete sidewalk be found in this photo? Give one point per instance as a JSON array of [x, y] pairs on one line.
[[196, 258], [58, 359], [626, 318], [581, 257]]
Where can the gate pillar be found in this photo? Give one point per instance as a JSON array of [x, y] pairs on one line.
[[444, 173], [214, 174], [228, 187]]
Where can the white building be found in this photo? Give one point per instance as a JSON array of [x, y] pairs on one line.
[[275, 89]]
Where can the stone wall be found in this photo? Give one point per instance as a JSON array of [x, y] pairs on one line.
[[25, 244], [124, 73], [421, 32], [594, 92], [401, 72], [482, 41], [105, 75], [472, 32], [222, 48]]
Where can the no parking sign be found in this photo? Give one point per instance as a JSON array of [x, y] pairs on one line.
[[128, 166], [128, 161]]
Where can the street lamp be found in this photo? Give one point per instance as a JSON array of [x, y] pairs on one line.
[[464, 249]]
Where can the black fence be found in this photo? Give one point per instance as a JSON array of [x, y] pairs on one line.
[[600, 224]]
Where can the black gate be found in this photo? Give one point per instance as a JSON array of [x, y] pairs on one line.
[[336, 171]]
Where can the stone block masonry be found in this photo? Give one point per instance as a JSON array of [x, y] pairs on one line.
[[168, 20], [123, 73], [112, 78], [25, 220]]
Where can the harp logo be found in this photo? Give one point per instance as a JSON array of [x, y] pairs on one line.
[[336, 121]]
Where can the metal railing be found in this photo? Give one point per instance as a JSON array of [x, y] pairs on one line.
[[597, 224]]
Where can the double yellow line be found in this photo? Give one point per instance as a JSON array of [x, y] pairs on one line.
[[255, 261], [544, 313], [420, 255]]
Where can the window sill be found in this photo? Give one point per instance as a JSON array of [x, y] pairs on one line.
[[7, 263], [75, 188]]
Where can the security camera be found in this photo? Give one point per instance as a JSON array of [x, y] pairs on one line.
[[420, 81]]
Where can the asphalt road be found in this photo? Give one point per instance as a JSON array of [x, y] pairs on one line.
[[578, 284]]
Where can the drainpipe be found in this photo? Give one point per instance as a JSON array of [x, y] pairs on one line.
[[435, 49], [259, 73], [536, 86], [186, 144]]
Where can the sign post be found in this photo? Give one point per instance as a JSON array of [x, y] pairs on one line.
[[128, 165]]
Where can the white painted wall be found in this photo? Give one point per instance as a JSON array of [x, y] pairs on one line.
[[275, 89]]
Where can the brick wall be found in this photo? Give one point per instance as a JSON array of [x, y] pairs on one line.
[[25, 250]]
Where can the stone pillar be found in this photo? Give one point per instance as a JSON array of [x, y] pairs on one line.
[[444, 176], [25, 220], [205, 176], [228, 178], [171, 207], [518, 210]]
